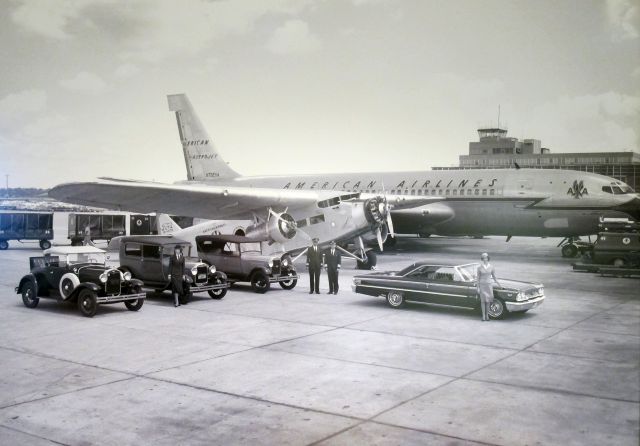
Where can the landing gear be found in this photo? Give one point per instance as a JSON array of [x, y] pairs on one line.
[[369, 262], [569, 250]]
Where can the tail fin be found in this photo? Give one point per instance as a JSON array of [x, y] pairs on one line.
[[166, 225], [200, 156]]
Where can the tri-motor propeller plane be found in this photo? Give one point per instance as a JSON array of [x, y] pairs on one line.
[[509, 202]]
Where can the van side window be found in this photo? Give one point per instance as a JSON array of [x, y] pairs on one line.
[[133, 249], [150, 252]]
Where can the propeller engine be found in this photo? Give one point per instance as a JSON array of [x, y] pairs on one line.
[[279, 227], [378, 214]]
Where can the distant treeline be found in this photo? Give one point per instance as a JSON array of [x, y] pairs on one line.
[[22, 192]]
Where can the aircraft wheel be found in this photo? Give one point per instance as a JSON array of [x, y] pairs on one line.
[[87, 303], [29, 298], [569, 250], [45, 244], [4, 245], [618, 262], [371, 260], [497, 309], [288, 284], [260, 282], [395, 299]]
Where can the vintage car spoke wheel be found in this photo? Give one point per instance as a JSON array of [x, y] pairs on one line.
[[87, 303], [134, 305], [570, 250], [219, 293], [395, 299], [260, 282], [4, 245], [497, 309], [288, 284], [29, 298], [45, 244]]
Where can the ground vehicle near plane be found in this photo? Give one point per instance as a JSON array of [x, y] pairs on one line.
[[147, 259], [20, 225], [615, 248], [79, 273], [243, 261], [450, 285]]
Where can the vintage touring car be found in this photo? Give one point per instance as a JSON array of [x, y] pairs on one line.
[[450, 285], [79, 273], [243, 261]]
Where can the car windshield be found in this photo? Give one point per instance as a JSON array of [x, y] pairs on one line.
[[85, 257], [468, 272]]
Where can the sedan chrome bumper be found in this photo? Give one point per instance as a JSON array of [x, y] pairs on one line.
[[215, 286], [283, 278], [524, 305], [121, 298]]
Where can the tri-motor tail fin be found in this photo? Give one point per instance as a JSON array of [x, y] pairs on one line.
[[200, 155], [166, 225]]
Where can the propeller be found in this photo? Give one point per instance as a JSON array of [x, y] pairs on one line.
[[388, 211], [287, 224]]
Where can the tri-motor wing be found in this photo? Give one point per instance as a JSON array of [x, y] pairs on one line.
[[198, 200]]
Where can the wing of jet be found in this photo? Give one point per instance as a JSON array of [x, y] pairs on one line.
[[205, 201]]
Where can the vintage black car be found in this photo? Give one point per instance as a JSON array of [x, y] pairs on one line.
[[147, 258], [451, 285], [79, 273], [243, 260]]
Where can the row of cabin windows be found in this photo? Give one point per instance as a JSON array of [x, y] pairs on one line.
[[445, 192], [430, 192]]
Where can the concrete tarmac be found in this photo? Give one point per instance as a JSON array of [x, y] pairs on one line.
[[290, 368]]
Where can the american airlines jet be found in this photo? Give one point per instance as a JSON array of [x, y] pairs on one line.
[[508, 202]]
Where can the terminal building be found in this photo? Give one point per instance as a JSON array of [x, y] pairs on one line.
[[496, 150]]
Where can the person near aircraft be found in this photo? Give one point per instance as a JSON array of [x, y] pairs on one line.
[[314, 265], [332, 259], [176, 271], [486, 278]]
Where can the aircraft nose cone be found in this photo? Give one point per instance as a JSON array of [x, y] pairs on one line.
[[632, 208]]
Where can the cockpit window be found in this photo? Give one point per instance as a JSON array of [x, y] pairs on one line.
[[607, 189], [617, 189]]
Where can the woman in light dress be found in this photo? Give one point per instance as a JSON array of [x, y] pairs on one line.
[[486, 278]]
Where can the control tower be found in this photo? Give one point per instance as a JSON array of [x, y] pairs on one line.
[[494, 141]]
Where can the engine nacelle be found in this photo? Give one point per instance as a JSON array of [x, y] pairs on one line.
[[375, 210], [279, 228]]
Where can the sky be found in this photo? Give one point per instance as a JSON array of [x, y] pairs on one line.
[[292, 87]]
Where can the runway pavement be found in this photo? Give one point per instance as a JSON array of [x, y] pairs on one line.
[[295, 369]]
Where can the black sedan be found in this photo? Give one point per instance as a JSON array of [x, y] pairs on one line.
[[451, 285]]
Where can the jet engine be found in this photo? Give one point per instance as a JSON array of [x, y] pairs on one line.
[[278, 227]]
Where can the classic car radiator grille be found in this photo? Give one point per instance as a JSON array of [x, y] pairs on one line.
[[202, 278], [276, 267], [112, 285]]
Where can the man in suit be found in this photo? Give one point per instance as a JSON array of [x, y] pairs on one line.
[[332, 259], [314, 265], [176, 271]]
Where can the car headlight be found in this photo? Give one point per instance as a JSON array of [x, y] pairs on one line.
[[194, 270], [270, 263], [103, 277], [212, 269], [127, 275], [521, 296], [285, 262]]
